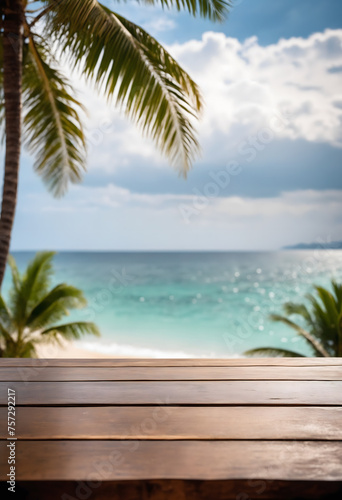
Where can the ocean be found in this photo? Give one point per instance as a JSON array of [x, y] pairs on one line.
[[179, 304]]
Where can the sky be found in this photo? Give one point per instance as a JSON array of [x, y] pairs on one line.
[[270, 170]]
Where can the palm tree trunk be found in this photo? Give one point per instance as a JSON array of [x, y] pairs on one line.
[[12, 76]]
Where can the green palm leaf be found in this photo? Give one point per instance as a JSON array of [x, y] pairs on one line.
[[55, 305], [10, 349], [72, 331], [314, 344], [31, 287], [338, 295], [36, 310], [27, 350], [325, 326], [133, 68], [52, 124], [15, 272], [329, 303], [324, 322], [299, 309], [320, 314], [215, 10], [4, 334], [273, 351], [5, 315]]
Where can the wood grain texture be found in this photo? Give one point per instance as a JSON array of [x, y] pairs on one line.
[[172, 423], [49, 374], [172, 362], [119, 460], [145, 420], [176, 393]]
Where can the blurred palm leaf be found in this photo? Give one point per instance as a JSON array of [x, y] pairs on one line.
[[323, 333], [55, 305], [34, 311], [73, 331], [270, 352]]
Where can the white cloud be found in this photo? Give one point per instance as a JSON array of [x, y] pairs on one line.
[[246, 83], [159, 24], [204, 206], [294, 204], [81, 198]]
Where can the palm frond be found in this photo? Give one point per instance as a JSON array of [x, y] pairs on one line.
[[5, 315], [130, 66], [15, 295], [10, 349], [32, 286], [314, 343], [35, 311], [298, 309], [338, 294], [5, 334], [324, 327], [52, 125], [323, 320], [338, 349], [320, 314], [55, 305], [215, 10], [273, 352], [15, 272], [330, 305], [27, 350], [72, 331]]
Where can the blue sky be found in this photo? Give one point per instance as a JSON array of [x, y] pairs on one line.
[[267, 19], [270, 171]]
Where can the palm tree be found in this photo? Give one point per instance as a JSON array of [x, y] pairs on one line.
[[34, 310], [123, 61], [323, 332]]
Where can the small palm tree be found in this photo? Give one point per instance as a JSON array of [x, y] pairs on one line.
[[323, 333], [34, 310], [118, 57]]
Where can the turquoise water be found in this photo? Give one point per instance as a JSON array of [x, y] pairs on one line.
[[191, 304]]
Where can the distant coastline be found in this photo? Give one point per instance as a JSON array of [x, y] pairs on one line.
[[333, 245]]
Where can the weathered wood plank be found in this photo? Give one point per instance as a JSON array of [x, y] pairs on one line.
[[173, 362], [178, 489], [62, 373], [118, 460], [272, 423], [177, 393]]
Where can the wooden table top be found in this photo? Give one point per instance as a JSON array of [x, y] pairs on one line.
[[192, 419]]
